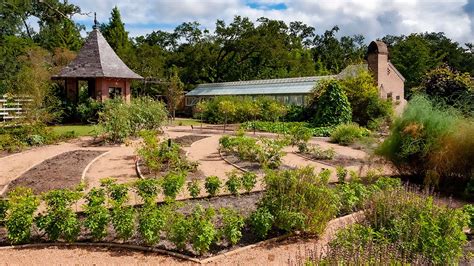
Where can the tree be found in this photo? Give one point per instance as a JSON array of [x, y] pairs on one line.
[[227, 108], [174, 93], [115, 34], [333, 107], [448, 85]]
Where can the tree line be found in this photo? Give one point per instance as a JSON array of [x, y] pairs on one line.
[[240, 50]]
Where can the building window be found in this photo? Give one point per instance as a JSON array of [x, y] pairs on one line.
[[115, 92], [389, 96], [397, 98]]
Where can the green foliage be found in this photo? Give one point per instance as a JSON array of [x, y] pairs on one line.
[[469, 211], [286, 127], [261, 222], [147, 189], [319, 153], [341, 173], [352, 196], [151, 220], [431, 140], [203, 232], [119, 120], [301, 196], [172, 183], [194, 188], [88, 111], [115, 34], [232, 224], [363, 95], [212, 185], [233, 183], [346, 134], [238, 109], [97, 214], [332, 106], [22, 204], [122, 216], [179, 230], [248, 180], [450, 86], [418, 224], [60, 220], [3, 210]]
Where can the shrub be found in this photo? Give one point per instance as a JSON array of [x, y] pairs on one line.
[[346, 134], [232, 224], [352, 196], [179, 230], [147, 189], [341, 173], [248, 180], [194, 188], [261, 222], [319, 153], [286, 127], [427, 138], [333, 107], [151, 220], [203, 232], [89, 110], [22, 204], [418, 224], [3, 210], [60, 220], [469, 211], [122, 216], [212, 185], [172, 183], [233, 183], [299, 194], [97, 214]]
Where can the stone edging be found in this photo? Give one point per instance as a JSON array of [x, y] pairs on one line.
[[137, 168], [311, 159], [83, 176], [233, 164], [328, 234]]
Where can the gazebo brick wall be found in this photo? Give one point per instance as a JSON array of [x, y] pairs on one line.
[[102, 86]]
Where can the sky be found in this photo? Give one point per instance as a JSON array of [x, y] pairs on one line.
[[371, 18]]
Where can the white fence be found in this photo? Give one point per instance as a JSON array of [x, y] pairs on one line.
[[12, 108]]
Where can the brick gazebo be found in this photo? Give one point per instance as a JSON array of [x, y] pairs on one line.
[[97, 63]]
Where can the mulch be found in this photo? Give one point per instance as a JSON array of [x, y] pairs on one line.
[[186, 141], [61, 171]]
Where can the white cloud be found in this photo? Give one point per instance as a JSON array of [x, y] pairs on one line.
[[371, 18]]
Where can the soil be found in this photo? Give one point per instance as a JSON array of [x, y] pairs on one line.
[[188, 140], [61, 171], [247, 165]]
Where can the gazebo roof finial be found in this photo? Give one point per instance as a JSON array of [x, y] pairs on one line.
[[95, 22]]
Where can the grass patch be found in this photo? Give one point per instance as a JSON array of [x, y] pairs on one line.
[[79, 130], [186, 122]]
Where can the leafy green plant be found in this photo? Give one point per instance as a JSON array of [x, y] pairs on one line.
[[60, 220], [212, 185], [287, 127], [3, 210], [147, 189], [180, 230], [319, 153], [122, 216], [248, 180], [352, 196], [203, 232], [232, 224], [172, 183], [333, 107], [151, 220], [346, 134], [233, 183], [97, 214], [469, 211], [22, 204], [194, 188], [261, 222], [341, 173]]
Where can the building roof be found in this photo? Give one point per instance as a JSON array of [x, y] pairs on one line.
[[97, 59], [302, 85]]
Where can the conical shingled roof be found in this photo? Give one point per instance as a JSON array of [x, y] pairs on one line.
[[97, 59]]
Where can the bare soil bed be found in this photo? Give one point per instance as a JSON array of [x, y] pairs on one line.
[[61, 171], [188, 140], [247, 165]]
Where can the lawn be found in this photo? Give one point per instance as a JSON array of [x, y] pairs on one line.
[[186, 122], [80, 130]]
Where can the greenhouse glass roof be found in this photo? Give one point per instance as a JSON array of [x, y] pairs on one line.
[[302, 85]]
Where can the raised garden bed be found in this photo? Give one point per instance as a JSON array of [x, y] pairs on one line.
[[61, 171]]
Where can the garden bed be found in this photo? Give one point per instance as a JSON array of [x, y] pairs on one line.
[[61, 171], [249, 166], [188, 140]]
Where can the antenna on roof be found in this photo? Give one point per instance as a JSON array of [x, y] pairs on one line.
[[95, 22]]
